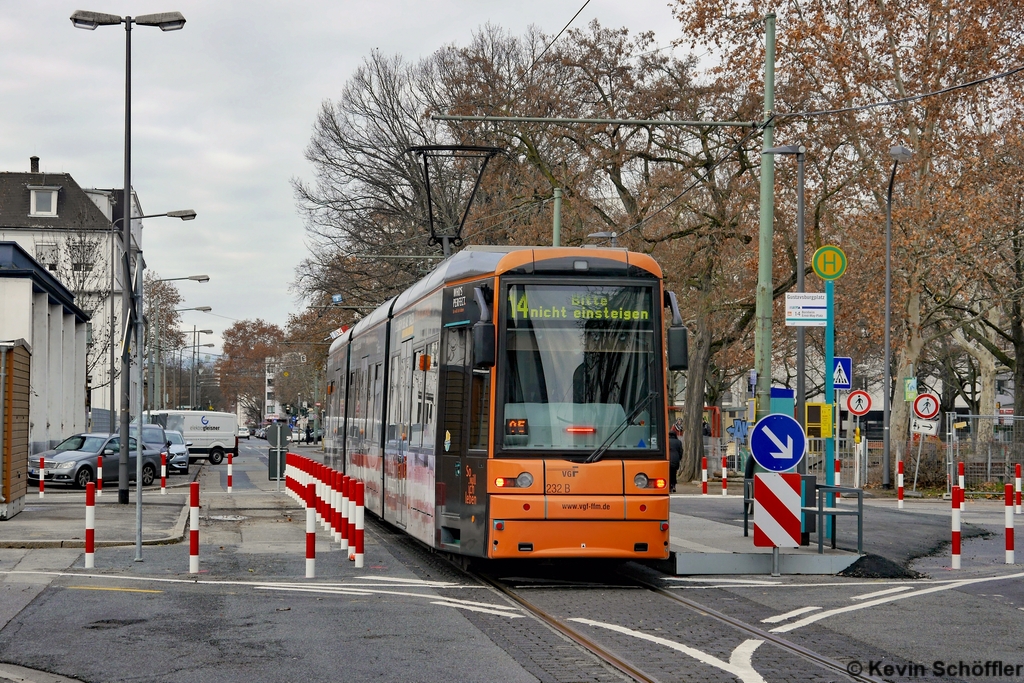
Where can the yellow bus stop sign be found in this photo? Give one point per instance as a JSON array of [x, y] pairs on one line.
[[829, 262]]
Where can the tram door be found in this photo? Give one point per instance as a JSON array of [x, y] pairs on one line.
[[399, 467], [450, 460]]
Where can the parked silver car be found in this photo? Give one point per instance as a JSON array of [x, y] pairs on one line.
[[177, 453], [74, 461]]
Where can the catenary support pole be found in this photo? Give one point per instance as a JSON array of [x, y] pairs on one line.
[[763, 306], [556, 223]]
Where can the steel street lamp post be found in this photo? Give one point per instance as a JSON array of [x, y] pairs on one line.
[[165, 21], [801, 391], [898, 153]]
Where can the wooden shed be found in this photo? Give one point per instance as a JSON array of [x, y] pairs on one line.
[[15, 364]]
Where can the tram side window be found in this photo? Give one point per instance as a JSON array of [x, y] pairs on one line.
[[480, 410]]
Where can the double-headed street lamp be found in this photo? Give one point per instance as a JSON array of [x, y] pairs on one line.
[[165, 21], [898, 153]]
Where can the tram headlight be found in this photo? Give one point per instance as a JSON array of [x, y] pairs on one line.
[[640, 480], [524, 480]]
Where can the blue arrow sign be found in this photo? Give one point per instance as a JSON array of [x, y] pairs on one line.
[[777, 442], [842, 372]]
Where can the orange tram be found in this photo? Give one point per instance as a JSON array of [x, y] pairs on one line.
[[511, 404]]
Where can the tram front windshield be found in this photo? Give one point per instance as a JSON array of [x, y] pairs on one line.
[[580, 366]]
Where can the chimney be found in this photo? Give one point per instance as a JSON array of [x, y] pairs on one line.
[[34, 161]]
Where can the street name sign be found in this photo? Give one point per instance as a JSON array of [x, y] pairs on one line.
[[776, 510], [842, 372], [919, 426], [858, 403], [926, 406], [806, 309], [777, 442]]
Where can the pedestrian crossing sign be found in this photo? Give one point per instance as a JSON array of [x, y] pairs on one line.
[[842, 373]]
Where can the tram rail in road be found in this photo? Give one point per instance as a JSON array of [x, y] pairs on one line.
[[622, 665]]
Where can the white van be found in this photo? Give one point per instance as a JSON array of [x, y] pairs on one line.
[[210, 435]]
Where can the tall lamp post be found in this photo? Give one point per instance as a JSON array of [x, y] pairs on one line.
[[165, 21], [898, 153], [801, 391], [195, 357]]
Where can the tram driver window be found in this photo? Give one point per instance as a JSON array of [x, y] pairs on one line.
[[480, 409]]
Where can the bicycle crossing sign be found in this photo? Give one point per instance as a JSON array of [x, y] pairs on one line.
[[842, 372]]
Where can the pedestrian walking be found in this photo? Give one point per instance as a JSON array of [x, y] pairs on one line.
[[675, 450]]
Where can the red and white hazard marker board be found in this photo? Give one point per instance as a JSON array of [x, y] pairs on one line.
[[776, 510], [858, 403], [926, 406]]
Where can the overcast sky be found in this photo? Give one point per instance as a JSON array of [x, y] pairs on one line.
[[222, 111]]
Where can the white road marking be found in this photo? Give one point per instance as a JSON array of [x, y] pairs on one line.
[[739, 664], [753, 582], [878, 594], [478, 609], [891, 598], [451, 602], [788, 615]]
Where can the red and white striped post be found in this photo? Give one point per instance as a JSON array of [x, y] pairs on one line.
[[345, 483], [725, 475], [42, 474], [193, 528], [1016, 485], [163, 474], [90, 525], [839, 475], [352, 485], [310, 531], [955, 561], [336, 505], [899, 485], [960, 483], [359, 525], [1009, 523], [229, 471], [704, 476], [99, 475]]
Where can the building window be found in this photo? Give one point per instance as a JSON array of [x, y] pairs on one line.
[[46, 254], [270, 395], [81, 267], [44, 201]]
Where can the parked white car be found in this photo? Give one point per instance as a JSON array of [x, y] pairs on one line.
[[243, 432]]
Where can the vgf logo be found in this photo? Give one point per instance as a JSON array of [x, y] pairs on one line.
[[205, 420]]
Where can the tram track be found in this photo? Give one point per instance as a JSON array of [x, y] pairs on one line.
[[623, 666]]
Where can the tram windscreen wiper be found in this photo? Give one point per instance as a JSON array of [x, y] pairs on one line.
[[603, 448]]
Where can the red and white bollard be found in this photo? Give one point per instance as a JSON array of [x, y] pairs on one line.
[[310, 531], [957, 493], [1009, 523], [352, 483], [42, 474], [359, 525], [1016, 485], [163, 474], [229, 471], [336, 506], [839, 475], [725, 476], [345, 483], [90, 525], [193, 529], [99, 475], [899, 485], [704, 476], [960, 483]]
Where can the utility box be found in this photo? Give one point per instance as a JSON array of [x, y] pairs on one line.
[[15, 368]]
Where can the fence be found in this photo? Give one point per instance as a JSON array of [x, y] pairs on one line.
[[990, 446]]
